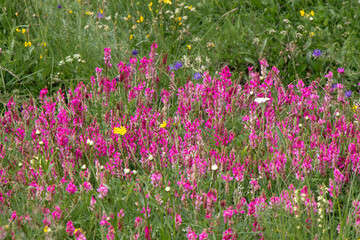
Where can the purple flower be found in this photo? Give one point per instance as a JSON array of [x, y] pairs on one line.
[[348, 93], [317, 53], [197, 76], [340, 70], [135, 52], [59, 6], [99, 15], [178, 65], [334, 86], [171, 67]]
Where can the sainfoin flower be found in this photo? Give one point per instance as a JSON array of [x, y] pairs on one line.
[[70, 228], [71, 188], [340, 70], [103, 191]]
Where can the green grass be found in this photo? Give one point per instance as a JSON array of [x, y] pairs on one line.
[[242, 32]]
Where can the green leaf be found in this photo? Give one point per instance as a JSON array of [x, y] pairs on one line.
[[281, 136], [249, 60]]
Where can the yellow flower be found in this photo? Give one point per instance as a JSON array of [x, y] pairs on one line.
[[190, 7], [70, 11], [23, 31], [165, 1], [89, 13], [43, 44], [141, 19], [163, 125], [27, 44], [46, 229], [307, 15], [354, 108], [302, 12], [150, 4], [312, 13], [147, 36], [131, 36], [101, 11], [17, 14], [178, 18], [40, 56], [121, 130], [311, 34], [128, 17], [189, 47], [80, 230]]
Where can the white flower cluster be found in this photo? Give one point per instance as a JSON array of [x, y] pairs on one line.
[[69, 59]]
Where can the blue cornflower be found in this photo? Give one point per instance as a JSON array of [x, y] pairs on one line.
[[334, 86], [348, 93], [135, 52], [178, 65], [59, 6], [317, 53], [100, 15], [171, 67], [197, 76]]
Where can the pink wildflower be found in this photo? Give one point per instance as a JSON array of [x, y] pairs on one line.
[[70, 228], [71, 188], [103, 191]]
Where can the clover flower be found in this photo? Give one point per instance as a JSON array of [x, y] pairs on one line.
[[178, 65], [317, 53], [348, 93], [197, 76], [135, 52]]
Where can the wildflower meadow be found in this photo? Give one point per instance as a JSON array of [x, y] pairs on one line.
[[171, 119]]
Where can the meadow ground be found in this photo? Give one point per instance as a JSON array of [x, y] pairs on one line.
[[208, 119]]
